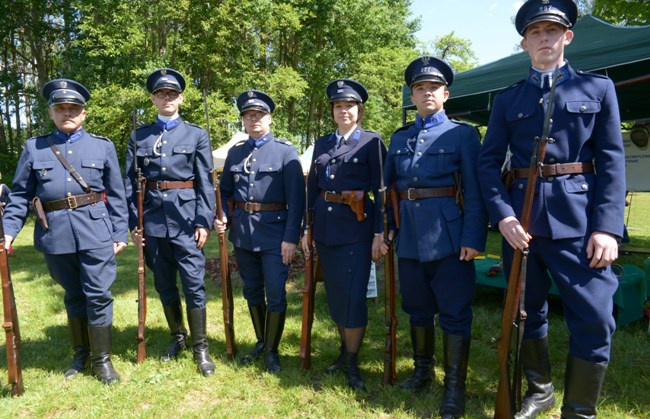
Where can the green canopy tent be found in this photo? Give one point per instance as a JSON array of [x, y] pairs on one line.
[[622, 53]]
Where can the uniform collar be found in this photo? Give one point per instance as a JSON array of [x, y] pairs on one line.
[[346, 136], [542, 79], [430, 120], [69, 137], [260, 141], [168, 122]]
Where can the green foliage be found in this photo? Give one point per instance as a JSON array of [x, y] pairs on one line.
[[623, 12]]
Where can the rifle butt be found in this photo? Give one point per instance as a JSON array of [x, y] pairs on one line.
[[227, 298], [308, 295], [10, 322]]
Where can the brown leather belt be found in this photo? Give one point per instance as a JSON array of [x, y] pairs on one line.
[[557, 169], [421, 193], [74, 201], [252, 207], [345, 197], [169, 184]]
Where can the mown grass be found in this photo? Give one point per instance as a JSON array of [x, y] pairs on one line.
[[154, 389]]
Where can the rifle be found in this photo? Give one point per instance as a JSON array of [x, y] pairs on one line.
[[141, 183], [10, 323], [514, 314], [308, 295], [224, 269], [390, 319]]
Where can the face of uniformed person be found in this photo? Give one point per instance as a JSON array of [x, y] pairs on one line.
[[167, 101], [67, 117], [544, 42], [346, 115], [257, 123], [429, 97]]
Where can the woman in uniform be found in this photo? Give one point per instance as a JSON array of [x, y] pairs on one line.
[[346, 167]]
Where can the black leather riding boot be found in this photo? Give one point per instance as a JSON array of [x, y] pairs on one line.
[[423, 341], [174, 316], [258, 316], [582, 384], [536, 364], [456, 357], [80, 346], [274, 329], [197, 321], [101, 339]]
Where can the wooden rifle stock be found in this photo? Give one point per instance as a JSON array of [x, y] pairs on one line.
[[226, 284], [505, 403], [142, 292], [10, 323], [390, 318], [308, 297]]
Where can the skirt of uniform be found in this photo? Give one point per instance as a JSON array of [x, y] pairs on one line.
[[347, 272]]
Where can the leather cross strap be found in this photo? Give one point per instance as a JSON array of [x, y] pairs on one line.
[[421, 193], [252, 207], [74, 201], [68, 167], [557, 169], [160, 185]]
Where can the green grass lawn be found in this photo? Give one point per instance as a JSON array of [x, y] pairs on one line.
[[154, 389]]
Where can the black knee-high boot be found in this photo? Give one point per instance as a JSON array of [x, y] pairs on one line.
[[423, 341], [197, 321], [536, 363], [274, 329], [101, 340], [80, 346], [258, 317], [582, 384], [456, 357], [174, 316]]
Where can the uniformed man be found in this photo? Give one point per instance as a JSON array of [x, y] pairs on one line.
[[174, 156], [83, 224], [433, 164], [263, 184], [345, 168], [577, 213]]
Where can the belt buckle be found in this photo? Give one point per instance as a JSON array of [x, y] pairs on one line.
[[248, 207], [72, 202], [158, 182], [325, 197], [408, 194]]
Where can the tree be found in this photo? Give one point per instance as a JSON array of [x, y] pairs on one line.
[[456, 51], [623, 12]]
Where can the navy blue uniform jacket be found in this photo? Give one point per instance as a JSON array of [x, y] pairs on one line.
[[184, 155], [586, 128], [434, 228], [273, 176], [353, 166], [39, 173]]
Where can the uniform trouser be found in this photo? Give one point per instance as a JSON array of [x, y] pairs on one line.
[[347, 272], [444, 287], [166, 257], [263, 273], [586, 293], [86, 277]]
